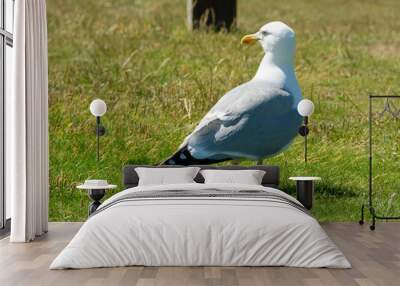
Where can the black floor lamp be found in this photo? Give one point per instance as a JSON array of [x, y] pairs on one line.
[[98, 108], [394, 112], [305, 109]]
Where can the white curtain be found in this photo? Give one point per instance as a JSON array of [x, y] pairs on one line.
[[27, 124]]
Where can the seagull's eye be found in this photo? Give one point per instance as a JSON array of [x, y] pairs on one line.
[[264, 33]]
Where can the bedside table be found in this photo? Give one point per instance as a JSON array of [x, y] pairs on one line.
[[96, 190], [305, 190]]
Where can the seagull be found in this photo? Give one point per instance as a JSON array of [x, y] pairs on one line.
[[257, 119]]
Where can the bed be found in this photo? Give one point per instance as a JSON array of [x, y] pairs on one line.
[[201, 224]]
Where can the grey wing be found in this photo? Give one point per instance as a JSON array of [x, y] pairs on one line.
[[261, 105], [229, 115], [222, 104]]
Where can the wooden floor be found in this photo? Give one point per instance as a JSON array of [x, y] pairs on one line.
[[375, 257]]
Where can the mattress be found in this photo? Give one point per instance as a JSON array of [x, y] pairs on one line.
[[201, 225]]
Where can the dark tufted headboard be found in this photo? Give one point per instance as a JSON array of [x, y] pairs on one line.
[[271, 178]]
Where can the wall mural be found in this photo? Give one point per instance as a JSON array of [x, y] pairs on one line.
[[169, 98]]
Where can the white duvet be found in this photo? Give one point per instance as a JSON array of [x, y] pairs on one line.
[[200, 231]]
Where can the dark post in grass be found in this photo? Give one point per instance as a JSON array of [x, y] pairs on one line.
[[218, 14]]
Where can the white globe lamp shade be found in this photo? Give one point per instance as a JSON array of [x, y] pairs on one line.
[[305, 107], [98, 107]]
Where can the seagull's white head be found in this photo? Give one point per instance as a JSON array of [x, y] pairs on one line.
[[276, 38]]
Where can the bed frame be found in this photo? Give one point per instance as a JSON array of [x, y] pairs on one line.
[[271, 178]]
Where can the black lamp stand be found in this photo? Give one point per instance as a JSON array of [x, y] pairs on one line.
[[100, 131], [303, 131]]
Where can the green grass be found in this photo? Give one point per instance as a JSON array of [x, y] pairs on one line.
[[159, 79]]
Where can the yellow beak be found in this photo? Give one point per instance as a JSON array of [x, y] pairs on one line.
[[249, 39]]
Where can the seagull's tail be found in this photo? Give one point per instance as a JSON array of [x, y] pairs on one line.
[[184, 158]]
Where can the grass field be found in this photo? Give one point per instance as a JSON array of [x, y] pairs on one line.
[[159, 79]]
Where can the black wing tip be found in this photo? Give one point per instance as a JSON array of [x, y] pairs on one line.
[[183, 158]]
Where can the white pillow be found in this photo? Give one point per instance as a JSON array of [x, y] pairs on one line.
[[248, 177], [166, 176]]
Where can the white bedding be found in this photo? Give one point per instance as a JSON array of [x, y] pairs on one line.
[[200, 231]]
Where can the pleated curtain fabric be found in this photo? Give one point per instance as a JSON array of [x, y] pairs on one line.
[[27, 124]]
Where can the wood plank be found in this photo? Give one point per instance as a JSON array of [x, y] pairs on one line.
[[375, 257]]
